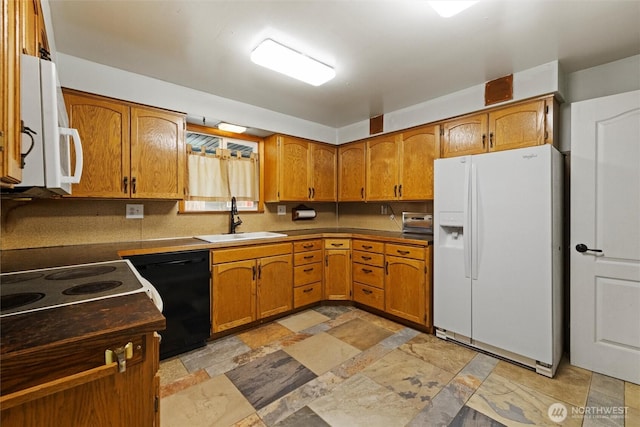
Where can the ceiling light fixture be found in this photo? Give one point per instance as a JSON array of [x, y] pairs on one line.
[[231, 128], [273, 55], [447, 9]]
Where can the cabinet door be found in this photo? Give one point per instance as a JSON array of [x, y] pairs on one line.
[[157, 154], [517, 126], [405, 288], [275, 285], [351, 172], [416, 165], [466, 135], [294, 167], [30, 26], [10, 137], [382, 168], [323, 170], [337, 274], [100, 396], [103, 126], [234, 294]]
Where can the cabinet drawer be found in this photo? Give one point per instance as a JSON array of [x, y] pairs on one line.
[[307, 294], [368, 258], [307, 245], [308, 273], [369, 275], [368, 245], [249, 252], [415, 252], [373, 297], [307, 257], [337, 243]]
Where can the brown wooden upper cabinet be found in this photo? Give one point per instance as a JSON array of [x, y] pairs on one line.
[[400, 166], [351, 172], [520, 125], [130, 151], [299, 170], [10, 138], [23, 31]]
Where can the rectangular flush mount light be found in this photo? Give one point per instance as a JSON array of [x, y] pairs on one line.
[[282, 59], [231, 128]]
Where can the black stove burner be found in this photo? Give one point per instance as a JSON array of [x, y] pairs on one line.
[[92, 287], [17, 300], [81, 272], [23, 277]]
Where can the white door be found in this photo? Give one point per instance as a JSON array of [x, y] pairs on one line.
[[605, 216]]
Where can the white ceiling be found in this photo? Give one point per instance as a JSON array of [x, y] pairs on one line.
[[387, 54]]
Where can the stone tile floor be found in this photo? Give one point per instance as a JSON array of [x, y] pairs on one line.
[[341, 366]]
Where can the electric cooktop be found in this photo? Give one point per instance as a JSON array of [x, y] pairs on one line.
[[33, 290]]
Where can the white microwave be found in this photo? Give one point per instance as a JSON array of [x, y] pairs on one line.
[[46, 137]]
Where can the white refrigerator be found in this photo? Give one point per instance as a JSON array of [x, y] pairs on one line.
[[498, 254]]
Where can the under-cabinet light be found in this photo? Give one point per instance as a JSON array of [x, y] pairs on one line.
[[447, 9], [282, 59], [231, 128]]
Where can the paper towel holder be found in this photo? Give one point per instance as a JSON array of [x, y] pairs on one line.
[[301, 212]]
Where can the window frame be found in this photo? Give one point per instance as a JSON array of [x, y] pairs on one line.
[[217, 132]]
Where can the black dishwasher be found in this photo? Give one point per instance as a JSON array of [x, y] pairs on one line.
[[182, 280]]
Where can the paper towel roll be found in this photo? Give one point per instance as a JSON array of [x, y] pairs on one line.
[[304, 214]]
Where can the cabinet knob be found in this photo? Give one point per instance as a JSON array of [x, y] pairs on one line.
[[484, 137], [133, 185], [125, 183]]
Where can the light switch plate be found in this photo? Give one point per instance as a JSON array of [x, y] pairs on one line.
[[135, 211], [282, 209]]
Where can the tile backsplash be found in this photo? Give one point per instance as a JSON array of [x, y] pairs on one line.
[[61, 222]]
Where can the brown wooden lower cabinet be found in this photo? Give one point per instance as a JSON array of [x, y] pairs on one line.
[[368, 295], [337, 269], [250, 283], [100, 396]]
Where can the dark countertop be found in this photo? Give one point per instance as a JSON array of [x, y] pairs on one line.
[[46, 345], [57, 256]]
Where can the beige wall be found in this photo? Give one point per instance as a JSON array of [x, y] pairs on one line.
[[61, 222]]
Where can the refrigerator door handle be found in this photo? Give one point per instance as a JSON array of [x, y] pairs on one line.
[[466, 235], [474, 222]]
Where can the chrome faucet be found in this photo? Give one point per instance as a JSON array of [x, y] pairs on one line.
[[232, 220]]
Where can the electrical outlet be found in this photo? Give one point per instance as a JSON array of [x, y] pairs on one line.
[[392, 217], [383, 209], [135, 211], [282, 209]]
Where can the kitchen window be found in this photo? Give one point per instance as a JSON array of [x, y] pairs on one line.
[[219, 166]]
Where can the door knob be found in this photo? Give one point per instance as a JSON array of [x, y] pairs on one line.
[[582, 248]]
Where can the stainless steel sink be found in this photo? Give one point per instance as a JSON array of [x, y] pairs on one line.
[[220, 238]]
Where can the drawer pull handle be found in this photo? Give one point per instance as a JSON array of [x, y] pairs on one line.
[[308, 270], [337, 245], [306, 291], [308, 245], [367, 247], [367, 291], [366, 270], [366, 258], [403, 252], [309, 257]]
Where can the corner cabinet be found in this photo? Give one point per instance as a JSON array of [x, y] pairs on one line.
[[299, 170], [351, 172], [337, 269], [130, 151], [523, 124], [250, 283]]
